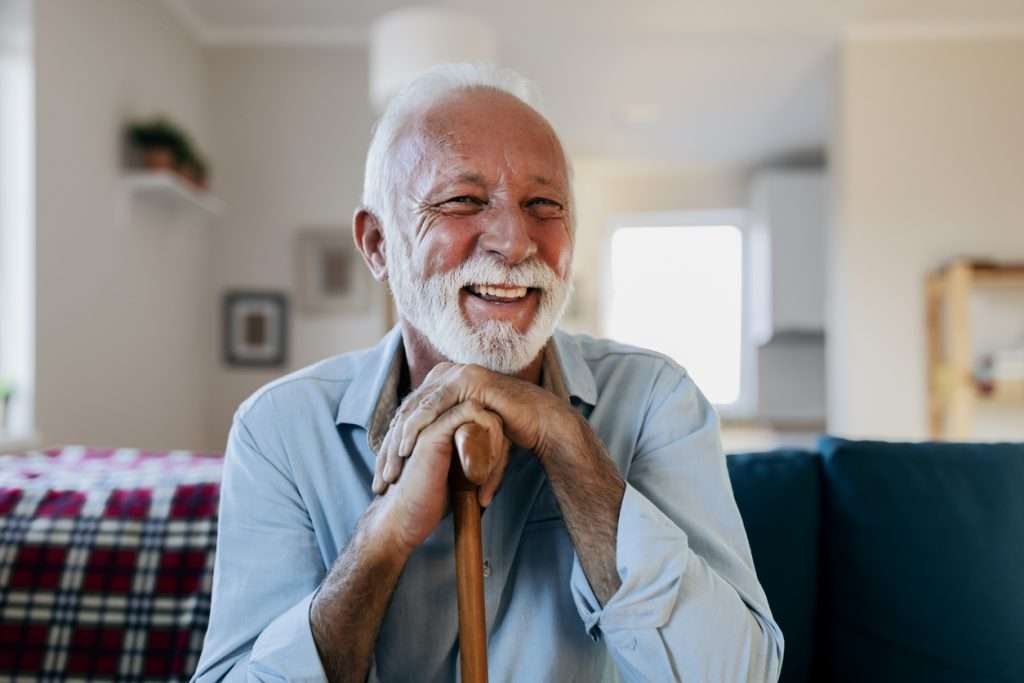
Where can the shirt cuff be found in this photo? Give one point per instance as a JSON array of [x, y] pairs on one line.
[[285, 650], [651, 552]]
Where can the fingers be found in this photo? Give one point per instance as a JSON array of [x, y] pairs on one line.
[[379, 486], [388, 465], [477, 463], [425, 411], [452, 385], [441, 391]]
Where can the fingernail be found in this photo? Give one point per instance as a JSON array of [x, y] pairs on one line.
[[389, 471]]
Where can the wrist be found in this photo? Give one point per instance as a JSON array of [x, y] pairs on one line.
[[381, 534], [564, 436]]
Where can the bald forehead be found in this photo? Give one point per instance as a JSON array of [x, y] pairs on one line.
[[482, 107], [477, 122]]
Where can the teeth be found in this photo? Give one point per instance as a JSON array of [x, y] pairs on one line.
[[502, 292]]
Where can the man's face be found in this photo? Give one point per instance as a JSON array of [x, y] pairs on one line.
[[484, 246]]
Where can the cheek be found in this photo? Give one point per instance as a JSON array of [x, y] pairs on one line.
[[554, 247], [446, 248]]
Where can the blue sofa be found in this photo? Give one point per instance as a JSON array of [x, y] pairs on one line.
[[890, 561], [881, 561]]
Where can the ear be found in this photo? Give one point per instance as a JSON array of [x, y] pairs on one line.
[[369, 237]]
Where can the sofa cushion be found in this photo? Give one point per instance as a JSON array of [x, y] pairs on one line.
[[778, 494], [106, 557], [923, 563]]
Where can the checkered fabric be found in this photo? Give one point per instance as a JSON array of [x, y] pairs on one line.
[[106, 563]]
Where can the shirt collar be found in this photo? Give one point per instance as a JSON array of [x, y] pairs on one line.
[[371, 398]]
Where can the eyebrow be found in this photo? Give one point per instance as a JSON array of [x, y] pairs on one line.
[[471, 177], [478, 179]]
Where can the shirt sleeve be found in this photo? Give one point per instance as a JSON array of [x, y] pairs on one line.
[[690, 606], [266, 572]]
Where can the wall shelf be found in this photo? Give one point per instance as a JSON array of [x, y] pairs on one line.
[[17, 443], [953, 391], [1005, 391], [167, 188]]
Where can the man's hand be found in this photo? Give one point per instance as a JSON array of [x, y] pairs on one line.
[[418, 500], [529, 414]]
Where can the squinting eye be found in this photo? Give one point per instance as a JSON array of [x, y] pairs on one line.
[[544, 208], [544, 202], [463, 199]]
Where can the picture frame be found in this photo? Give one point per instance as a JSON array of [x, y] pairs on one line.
[[255, 328], [330, 275]]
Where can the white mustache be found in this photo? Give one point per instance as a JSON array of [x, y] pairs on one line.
[[483, 271]]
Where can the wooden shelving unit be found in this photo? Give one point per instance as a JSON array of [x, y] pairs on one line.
[[953, 392]]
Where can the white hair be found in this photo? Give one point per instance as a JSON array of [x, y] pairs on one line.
[[429, 88], [432, 305]]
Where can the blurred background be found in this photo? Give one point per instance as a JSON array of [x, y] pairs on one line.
[[814, 207]]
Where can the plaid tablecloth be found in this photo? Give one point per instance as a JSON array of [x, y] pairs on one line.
[[106, 561]]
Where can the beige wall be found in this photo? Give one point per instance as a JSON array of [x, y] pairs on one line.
[[927, 165], [291, 127], [928, 162], [124, 344], [264, 103]]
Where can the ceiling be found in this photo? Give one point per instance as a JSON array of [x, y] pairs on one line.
[[684, 83]]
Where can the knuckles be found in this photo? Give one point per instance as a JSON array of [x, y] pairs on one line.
[[431, 400], [472, 373]]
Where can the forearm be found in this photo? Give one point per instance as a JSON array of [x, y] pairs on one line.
[[589, 491], [346, 615]]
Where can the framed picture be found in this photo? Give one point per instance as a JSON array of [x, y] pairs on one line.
[[255, 328], [331, 277]]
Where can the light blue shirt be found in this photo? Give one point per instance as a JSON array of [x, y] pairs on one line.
[[297, 474]]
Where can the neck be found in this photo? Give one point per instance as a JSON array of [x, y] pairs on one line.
[[421, 357]]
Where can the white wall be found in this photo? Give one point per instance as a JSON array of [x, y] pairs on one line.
[[290, 127], [125, 347], [928, 159]]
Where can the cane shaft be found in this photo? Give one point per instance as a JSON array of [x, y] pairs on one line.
[[469, 569]]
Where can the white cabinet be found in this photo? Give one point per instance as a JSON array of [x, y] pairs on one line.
[[787, 253]]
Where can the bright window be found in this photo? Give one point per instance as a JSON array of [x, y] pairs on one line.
[[17, 256], [678, 289]]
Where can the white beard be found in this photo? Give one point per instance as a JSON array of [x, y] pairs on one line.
[[432, 306]]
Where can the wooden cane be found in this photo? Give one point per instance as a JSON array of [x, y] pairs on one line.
[[469, 567]]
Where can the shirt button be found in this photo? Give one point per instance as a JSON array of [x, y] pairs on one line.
[[487, 568]]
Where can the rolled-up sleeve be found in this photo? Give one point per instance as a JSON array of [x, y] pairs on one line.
[[690, 606], [266, 572]]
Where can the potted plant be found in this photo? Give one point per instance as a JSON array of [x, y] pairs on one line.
[[161, 145], [159, 141], [193, 167]]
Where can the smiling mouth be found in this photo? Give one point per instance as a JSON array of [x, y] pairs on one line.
[[499, 293]]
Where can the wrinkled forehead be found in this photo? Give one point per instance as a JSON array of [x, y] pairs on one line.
[[486, 133]]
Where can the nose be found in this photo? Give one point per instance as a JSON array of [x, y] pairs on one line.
[[508, 237]]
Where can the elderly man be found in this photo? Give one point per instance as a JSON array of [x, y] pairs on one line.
[[613, 547]]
